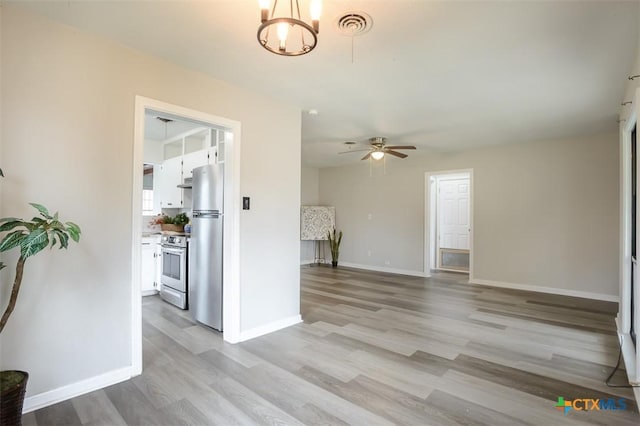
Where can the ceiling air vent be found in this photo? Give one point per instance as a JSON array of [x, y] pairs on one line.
[[353, 24]]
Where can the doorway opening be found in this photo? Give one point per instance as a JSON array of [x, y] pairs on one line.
[[192, 147], [448, 221]]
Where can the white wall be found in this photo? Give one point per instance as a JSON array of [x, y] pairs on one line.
[[309, 196], [153, 152], [631, 85], [68, 114], [545, 213]]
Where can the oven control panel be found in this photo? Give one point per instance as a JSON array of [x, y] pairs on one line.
[[174, 240]]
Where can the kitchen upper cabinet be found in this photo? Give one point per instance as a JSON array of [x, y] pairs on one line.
[[149, 266], [219, 144], [182, 154], [216, 149], [212, 157], [170, 196], [192, 160]]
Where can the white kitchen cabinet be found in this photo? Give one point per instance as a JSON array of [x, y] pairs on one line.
[[158, 265], [183, 154], [220, 140], [192, 160], [149, 265], [170, 196], [211, 155], [216, 150]]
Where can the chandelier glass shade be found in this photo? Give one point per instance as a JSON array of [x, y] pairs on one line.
[[283, 31]]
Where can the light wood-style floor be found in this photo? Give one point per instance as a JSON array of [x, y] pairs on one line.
[[374, 348]]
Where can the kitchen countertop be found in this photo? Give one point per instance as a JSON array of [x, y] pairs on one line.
[[159, 234], [151, 234]]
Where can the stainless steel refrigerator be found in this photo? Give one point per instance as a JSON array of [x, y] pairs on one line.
[[205, 248]]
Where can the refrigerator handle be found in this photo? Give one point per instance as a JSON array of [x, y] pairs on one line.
[[208, 216], [212, 213]]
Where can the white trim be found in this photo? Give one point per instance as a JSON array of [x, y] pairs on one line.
[[136, 238], [149, 293], [82, 387], [623, 319], [307, 262], [231, 261], [629, 356], [628, 353], [624, 325], [451, 270], [428, 255], [548, 290], [269, 328], [385, 269], [231, 245]]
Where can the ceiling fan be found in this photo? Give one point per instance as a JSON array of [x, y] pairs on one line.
[[379, 148]]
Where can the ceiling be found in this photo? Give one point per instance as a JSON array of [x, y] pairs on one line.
[[441, 75], [158, 130]]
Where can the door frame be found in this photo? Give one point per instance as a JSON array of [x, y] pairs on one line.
[[430, 219], [630, 352], [231, 247]]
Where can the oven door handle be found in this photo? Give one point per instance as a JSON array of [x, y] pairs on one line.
[[173, 251]]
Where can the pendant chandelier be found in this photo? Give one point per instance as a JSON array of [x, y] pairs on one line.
[[282, 30]]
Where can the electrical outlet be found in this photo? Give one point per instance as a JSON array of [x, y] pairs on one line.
[[369, 253], [369, 216], [386, 262]]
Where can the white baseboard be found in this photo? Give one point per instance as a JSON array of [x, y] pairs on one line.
[[306, 262], [149, 293], [385, 269], [63, 393], [269, 328], [549, 290], [630, 357]]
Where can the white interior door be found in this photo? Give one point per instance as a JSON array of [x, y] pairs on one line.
[[453, 213]]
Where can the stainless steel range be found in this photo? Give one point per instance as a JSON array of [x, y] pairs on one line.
[[173, 280]]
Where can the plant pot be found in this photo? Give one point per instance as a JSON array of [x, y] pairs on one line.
[[334, 263], [171, 227], [13, 385]]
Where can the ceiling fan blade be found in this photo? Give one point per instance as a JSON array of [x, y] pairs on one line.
[[354, 150], [397, 154], [366, 157], [400, 147]]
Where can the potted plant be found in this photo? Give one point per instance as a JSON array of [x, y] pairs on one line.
[[30, 237], [334, 245], [174, 224]]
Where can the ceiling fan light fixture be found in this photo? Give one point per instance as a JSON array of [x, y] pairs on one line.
[[377, 155], [282, 30]]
